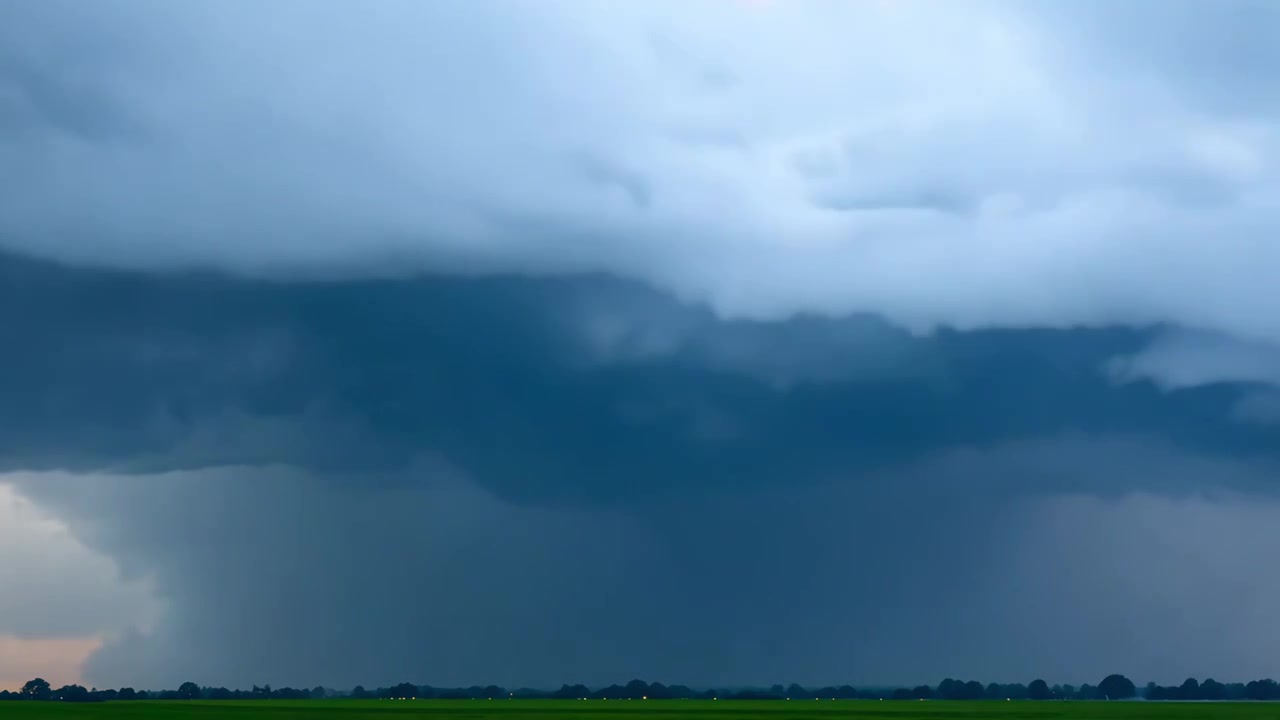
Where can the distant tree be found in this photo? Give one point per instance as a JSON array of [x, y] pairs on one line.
[[1038, 690], [1189, 690], [318, 693], [1211, 689], [359, 693], [636, 689], [570, 692], [71, 693], [1262, 690], [1117, 687], [794, 690], [188, 691], [922, 692], [404, 690], [37, 689]]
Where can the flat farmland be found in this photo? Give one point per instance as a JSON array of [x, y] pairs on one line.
[[638, 709]]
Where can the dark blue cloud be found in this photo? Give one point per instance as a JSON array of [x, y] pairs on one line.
[[502, 377]]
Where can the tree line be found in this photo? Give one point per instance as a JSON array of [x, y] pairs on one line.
[[1113, 687]]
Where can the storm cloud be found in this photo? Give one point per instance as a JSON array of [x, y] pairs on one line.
[[737, 342]]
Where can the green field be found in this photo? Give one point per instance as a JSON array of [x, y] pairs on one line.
[[666, 709]]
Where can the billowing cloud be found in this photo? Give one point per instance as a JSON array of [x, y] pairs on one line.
[[61, 598], [1183, 358], [58, 588], [515, 381], [984, 165]]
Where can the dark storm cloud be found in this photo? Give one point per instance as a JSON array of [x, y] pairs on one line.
[[693, 320], [579, 388], [533, 481]]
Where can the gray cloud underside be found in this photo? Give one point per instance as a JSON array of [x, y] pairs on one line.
[[581, 388], [509, 479]]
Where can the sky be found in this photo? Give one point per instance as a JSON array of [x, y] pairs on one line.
[[717, 343]]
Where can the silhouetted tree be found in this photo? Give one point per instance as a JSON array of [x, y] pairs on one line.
[[37, 689], [71, 693], [1211, 689], [188, 691], [569, 692], [1117, 687], [1262, 690], [1038, 690]]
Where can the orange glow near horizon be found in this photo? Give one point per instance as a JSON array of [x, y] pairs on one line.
[[57, 660]]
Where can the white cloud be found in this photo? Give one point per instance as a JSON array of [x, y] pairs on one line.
[[1180, 359], [61, 589], [976, 164]]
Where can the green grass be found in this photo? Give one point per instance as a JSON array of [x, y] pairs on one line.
[[638, 709]]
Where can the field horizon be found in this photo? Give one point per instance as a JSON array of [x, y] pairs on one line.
[[539, 709]]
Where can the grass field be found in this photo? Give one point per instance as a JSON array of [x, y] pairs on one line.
[[623, 709]]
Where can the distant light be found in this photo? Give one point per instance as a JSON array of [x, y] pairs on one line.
[[644, 697]]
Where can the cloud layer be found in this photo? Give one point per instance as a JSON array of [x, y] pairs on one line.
[[984, 165], [422, 343]]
